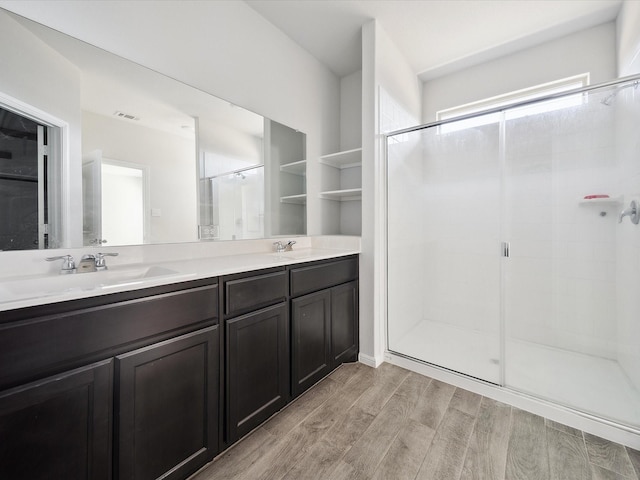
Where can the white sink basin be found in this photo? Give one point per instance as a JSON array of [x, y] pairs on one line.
[[30, 287]]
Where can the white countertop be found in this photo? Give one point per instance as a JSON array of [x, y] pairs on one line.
[[30, 290]]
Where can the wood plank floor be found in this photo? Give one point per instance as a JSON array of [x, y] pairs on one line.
[[389, 423]]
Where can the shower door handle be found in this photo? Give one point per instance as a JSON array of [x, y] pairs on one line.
[[633, 212], [505, 248]]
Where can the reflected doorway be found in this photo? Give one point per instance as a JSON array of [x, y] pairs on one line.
[[115, 201], [23, 182]]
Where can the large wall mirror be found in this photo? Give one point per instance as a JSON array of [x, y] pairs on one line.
[[97, 150]]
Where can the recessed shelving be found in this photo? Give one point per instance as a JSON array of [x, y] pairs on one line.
[[346, 159], [295, 168], [341, 189], [342, 195], [300, 199]]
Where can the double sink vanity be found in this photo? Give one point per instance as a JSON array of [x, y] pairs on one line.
[[147, 371]]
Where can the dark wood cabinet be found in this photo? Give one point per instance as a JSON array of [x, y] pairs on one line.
[[257, 368], [131, 386], [58, 427], [59, 379], [324, 324], [40, 341], [344, 323], [167, 407], [311, 339]]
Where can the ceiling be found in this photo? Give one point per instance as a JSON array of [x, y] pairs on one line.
[[436, 36]]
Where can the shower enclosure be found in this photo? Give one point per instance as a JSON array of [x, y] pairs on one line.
[[509, 257], [232, 205]]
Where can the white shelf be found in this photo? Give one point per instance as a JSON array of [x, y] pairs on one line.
[[296, 168], [346, 159], [297, 199], [343, 195], [601, 201]]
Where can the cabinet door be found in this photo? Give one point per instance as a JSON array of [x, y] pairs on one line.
[[167, 402], [311, 339], [344, 323], [58, 427], [257, 380]]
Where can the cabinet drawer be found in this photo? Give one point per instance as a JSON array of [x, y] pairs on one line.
[[32, 348], [246, 294], [319, 276]]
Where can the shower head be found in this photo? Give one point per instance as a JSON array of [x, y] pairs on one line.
[[608, 100]]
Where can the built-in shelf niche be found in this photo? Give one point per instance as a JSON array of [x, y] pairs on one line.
[[347, 185], [300, 199], [340, 171], [342, 184], [296, 168], [286, 198]]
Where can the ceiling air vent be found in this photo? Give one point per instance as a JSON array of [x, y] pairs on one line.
[[128, 116]]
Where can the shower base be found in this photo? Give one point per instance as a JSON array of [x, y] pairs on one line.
[[587, 383]]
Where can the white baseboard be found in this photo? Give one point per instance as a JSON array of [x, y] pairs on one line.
[[369, 360]]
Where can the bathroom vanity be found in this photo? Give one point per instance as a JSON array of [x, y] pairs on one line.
[[154, 382]]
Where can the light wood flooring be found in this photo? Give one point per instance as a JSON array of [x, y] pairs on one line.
[[389, 423]]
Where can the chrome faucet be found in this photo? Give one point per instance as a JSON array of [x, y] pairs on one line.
[[88, 263], [101, 264], [68, 264], [94, 263], [281, 247], [633, 212]]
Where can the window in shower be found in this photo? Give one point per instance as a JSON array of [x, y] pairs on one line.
[[512, 98]]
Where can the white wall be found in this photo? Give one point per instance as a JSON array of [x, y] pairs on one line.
[[40, 77], [383, 68], [628, 27], [592, 50], [222, 47], [171, 160], [350, 111]]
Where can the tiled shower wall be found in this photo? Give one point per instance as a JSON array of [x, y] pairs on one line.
[[561, 277]]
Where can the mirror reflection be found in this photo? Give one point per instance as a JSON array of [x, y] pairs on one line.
[[101, 151]]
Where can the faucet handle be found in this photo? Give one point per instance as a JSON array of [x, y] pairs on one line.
[[101, 264], [68, 263], [289, 246], [633, 212]]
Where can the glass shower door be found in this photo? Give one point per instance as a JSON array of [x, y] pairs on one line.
[[443, 246], [572, 334]]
